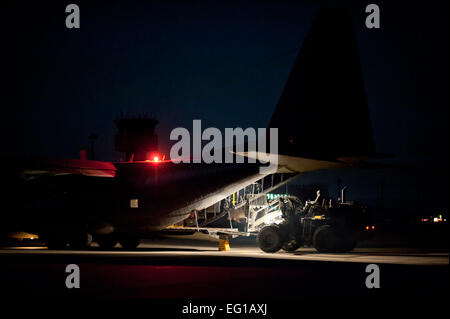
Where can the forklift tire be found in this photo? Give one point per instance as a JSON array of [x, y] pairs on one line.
[[325, 239], [270, 239], [346, 244], [291, 246]]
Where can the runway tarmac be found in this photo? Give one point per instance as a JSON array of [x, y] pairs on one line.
[[405, 256], [192, 267]]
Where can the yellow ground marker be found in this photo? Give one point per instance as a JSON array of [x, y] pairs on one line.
[[224, 245]]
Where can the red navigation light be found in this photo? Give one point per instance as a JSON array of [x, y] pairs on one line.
[[155, 158]]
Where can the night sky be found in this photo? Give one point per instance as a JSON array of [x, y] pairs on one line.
[[225, 64]]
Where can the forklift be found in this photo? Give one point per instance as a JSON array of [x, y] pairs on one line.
[[328, 226]]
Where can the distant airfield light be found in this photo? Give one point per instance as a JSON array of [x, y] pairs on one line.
[[434, 219]]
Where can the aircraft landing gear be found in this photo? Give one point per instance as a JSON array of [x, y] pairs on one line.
[[81, 241], [72, 240], [56, 243], [109, 241], [106, 241], [129, 243]]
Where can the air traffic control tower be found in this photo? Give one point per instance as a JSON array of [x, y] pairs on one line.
[[136, 138]]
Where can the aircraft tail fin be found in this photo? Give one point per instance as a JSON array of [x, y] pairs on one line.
[[322, 112]]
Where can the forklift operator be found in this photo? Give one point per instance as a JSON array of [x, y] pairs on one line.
[[309, 204], [317, 200]]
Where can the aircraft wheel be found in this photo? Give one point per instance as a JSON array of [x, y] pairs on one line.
[[56, 243], [106, 241], [129, 243], [81, 241], [270, 239]]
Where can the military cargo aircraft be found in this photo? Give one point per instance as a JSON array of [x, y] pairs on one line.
[[323, 123]]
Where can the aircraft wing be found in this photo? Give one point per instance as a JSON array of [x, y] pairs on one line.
[[35, 167]]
